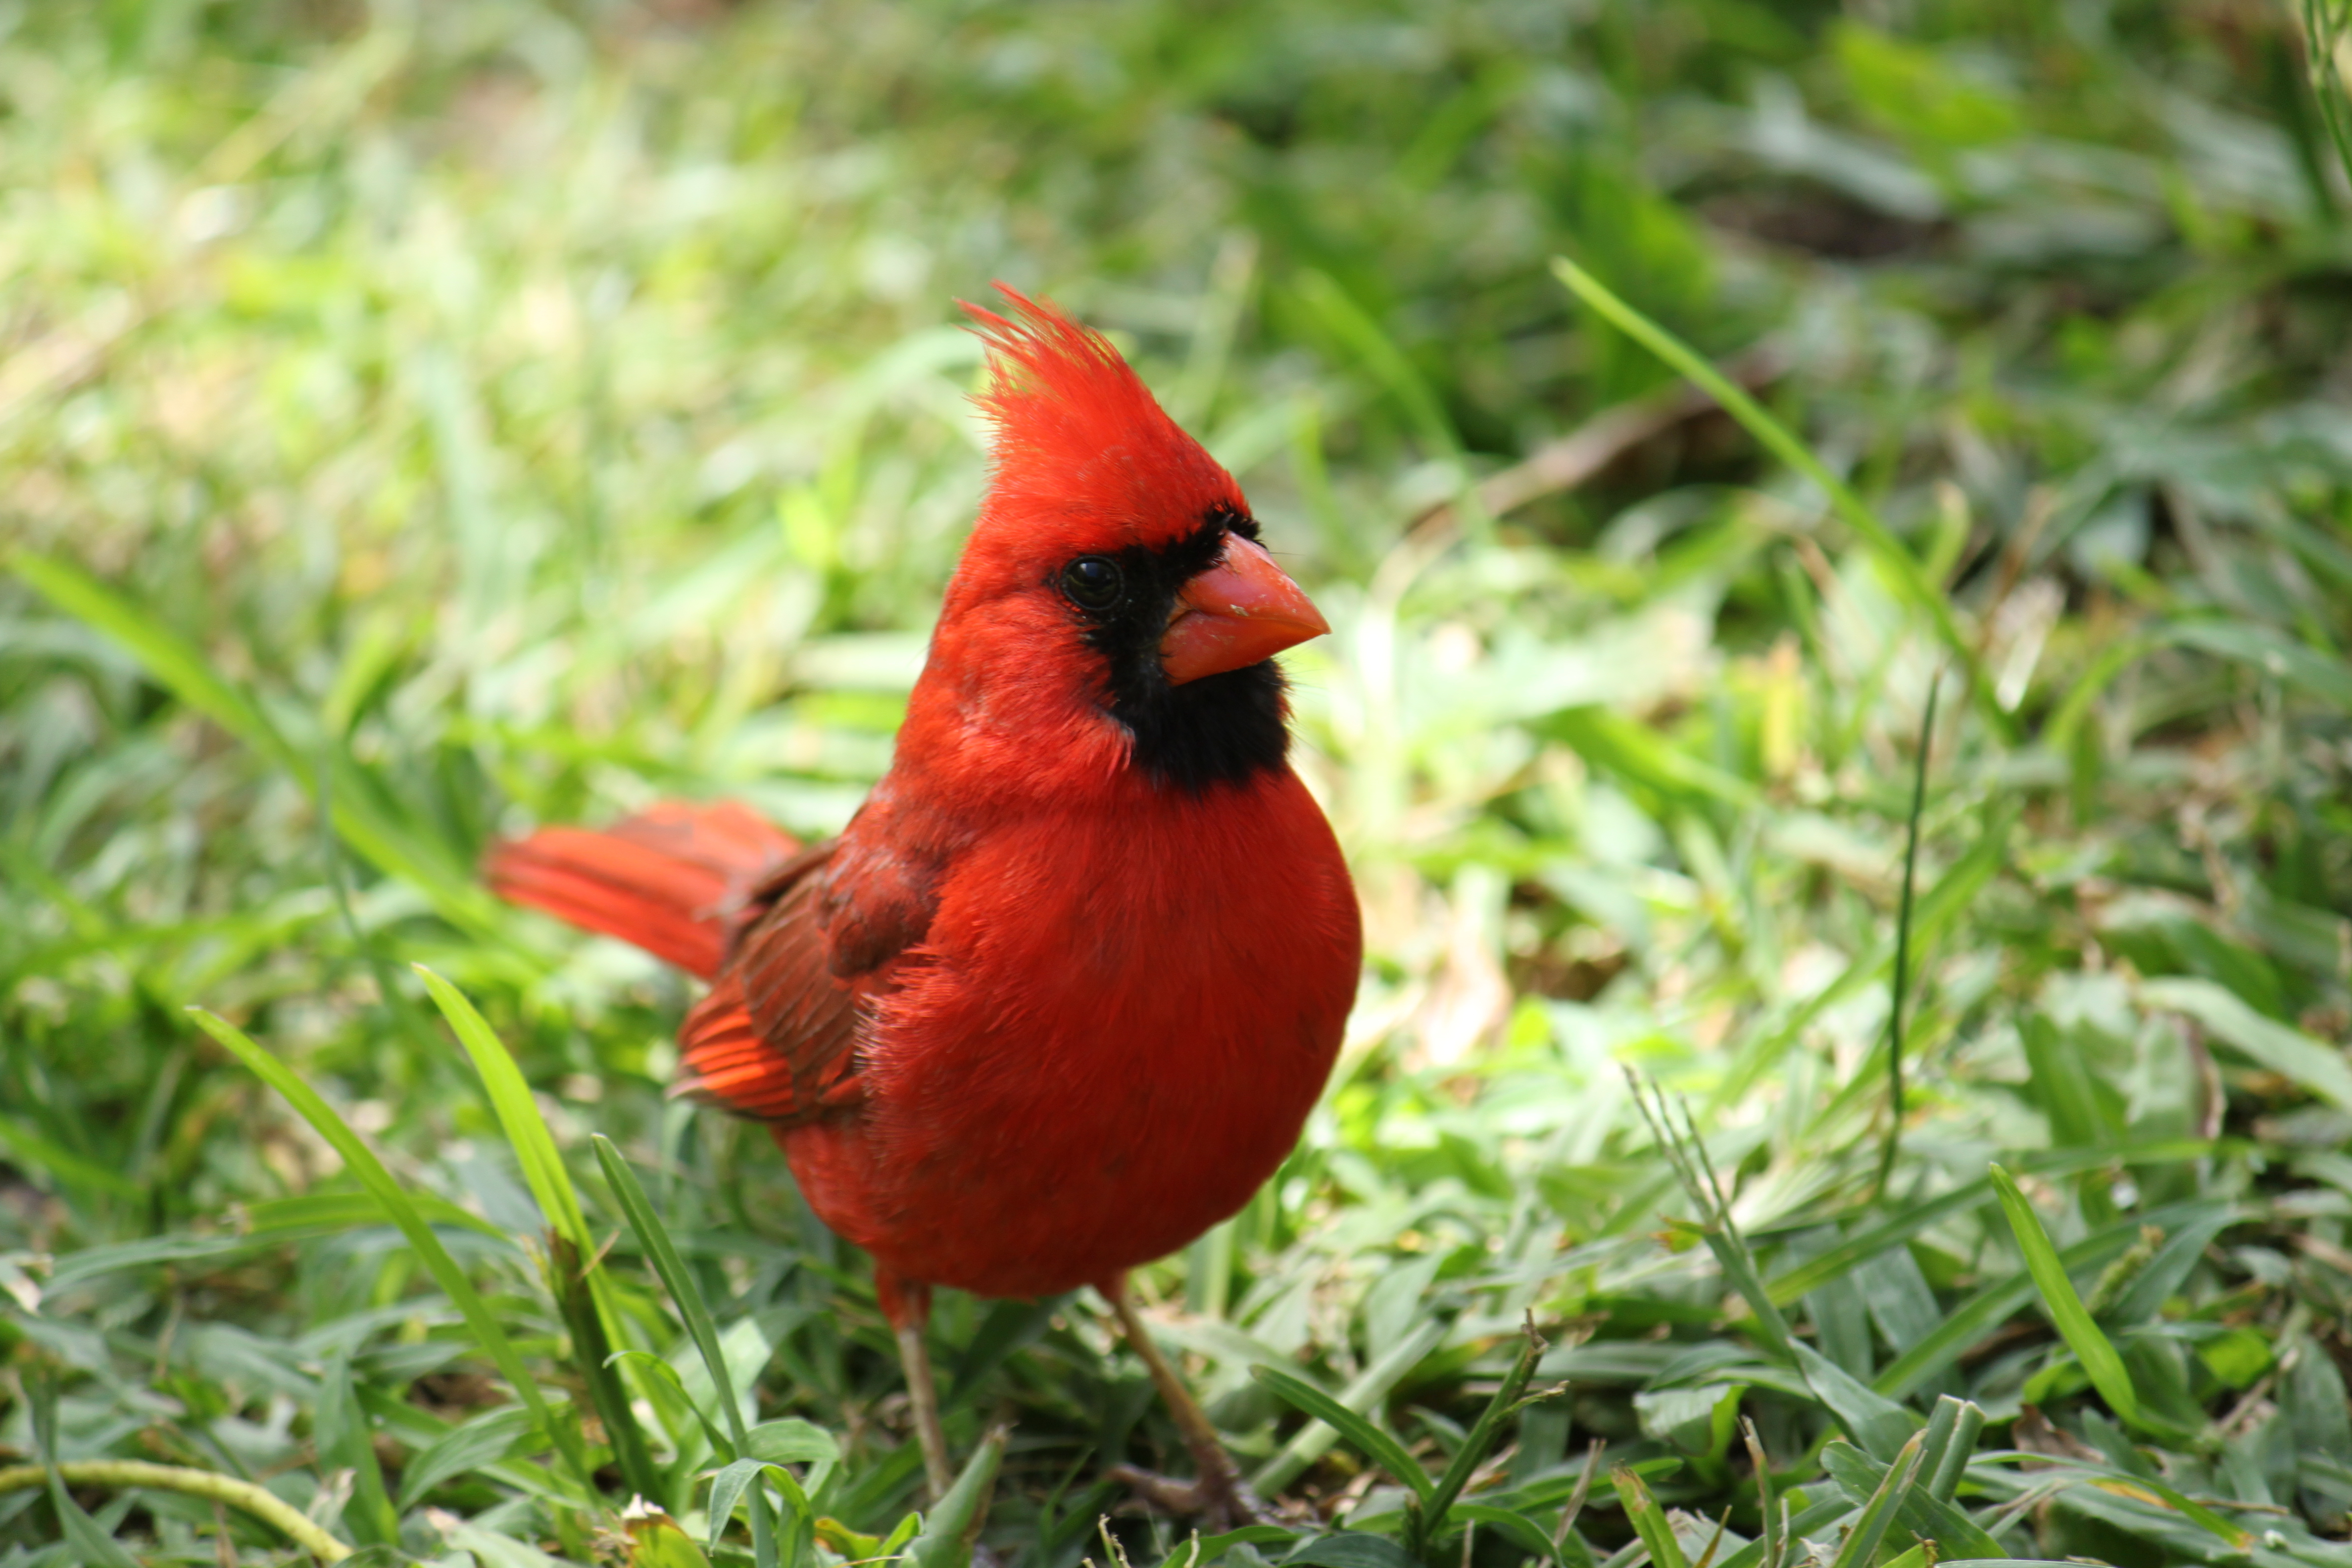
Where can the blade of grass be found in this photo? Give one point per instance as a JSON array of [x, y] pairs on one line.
[[1649, 1520], [654, 1237], [2083, 1337], [1766, 1505], [954, 1522], [1369, 1388], [1685, 1154], [1892, 1144], [1876, 1423], [1870, 1529], [1910, 582], [346, 1440], [1594, 1452], [731, 1483], [1804, 1525], [1794, 1284], [341, 1211], [1515, 1528], [570, 1277], [2142, 1488], [2283, 1049], [1986, 1311], [363, 1163], [1364, 337], [517, 1113], [2325, 24], [583, 1291], [1925, 1515], [1355, 1429], [1426, 1518], [485, 1440], [1952, 1432]]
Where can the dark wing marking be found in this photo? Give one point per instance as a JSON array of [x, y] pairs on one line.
[[776, 1038]]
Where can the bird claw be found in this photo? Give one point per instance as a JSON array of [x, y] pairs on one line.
[[1220, 1499]]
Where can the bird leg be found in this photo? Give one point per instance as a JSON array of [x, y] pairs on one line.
[[909, 1308], [1217, 1491]]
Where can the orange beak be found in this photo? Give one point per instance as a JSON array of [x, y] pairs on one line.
[[1238, 611]]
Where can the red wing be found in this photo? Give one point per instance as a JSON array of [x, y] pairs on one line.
[[676, 880], [777, 1038]]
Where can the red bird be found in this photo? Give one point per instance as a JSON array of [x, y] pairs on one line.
[[1061, 996]]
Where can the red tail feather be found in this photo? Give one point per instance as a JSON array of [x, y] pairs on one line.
[[671, 880]]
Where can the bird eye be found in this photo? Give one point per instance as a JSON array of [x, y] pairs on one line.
[[1092, 582]]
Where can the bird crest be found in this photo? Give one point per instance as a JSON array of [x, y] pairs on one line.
[[1079, 440]]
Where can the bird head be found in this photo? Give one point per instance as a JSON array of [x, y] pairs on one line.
[[1111, 544]]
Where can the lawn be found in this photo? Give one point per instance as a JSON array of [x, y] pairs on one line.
[[1837, 522]]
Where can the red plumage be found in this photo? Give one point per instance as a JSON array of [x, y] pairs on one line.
[[1061, 996]]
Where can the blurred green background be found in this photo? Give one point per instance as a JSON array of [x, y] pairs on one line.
[[422, 421]]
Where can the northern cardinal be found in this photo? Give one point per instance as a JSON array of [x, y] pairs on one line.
[[1061, 996]]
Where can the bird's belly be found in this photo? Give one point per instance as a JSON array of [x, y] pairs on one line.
[[1057, 1098], [1051, 1196]]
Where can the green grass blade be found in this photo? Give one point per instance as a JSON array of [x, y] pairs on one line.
[[1986, 1311], [483, 1440], [182, 668], [1910, 582], [1515, 1528], [1921, 1513], [731, 1483], [572, 1277], [361, 1161], [583, 1292], [1356, 1429], [1892, 1144], [356, 807], [1686, 1153], [1369, 1388], [953, 1524], [2274, 654], [2283, 1049], [1953, 1431], [1484, 1433], [341, 1211], [517, 1113], [2083, 1337], [1768, 1506], [654, 1237], [1877, 1425], [2325, 29], [1812, 1522], [1648, 1520], [1862, 1542], [2165, 1496], [346, 1441], [1794, 1284]]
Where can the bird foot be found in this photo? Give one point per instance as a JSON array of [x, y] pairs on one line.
[[1219, 1499]]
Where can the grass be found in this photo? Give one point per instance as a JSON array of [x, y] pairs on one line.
[[423, 423]]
